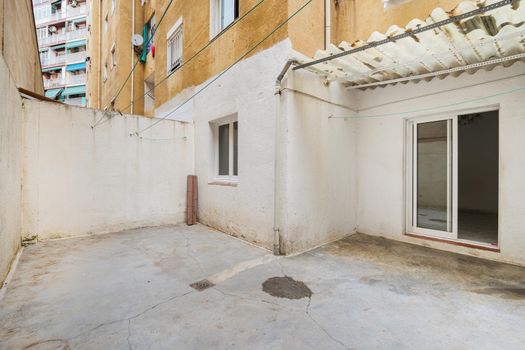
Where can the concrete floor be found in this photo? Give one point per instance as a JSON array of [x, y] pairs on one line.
[[131, 290]]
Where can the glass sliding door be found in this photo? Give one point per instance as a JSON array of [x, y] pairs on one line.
[[454, 177], [432, 178]]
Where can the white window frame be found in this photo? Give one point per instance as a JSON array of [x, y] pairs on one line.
[[230, 178], [176, 32], [216, 18], [452, 171]]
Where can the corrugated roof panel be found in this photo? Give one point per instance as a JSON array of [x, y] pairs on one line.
[[490, 35]]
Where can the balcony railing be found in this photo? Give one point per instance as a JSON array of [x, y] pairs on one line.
[[62, 59], [76, 11], [76, 34], [52, 39], [57, 16], [75, 101], [76, 57], [53, 83], [76, 79], [57, 38], [49, 61]]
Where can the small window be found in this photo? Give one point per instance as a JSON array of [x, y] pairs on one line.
[[175, 45], [106, 23], [224, 13], [113, 57], [226, 150], [113, 6]]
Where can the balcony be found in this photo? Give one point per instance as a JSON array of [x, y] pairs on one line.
[[53, 83], [52, 61], [60, 15], [76, 34], [76, 11], [75, 101], [76, 79], [76, 57], [58, 38], [52, 40]]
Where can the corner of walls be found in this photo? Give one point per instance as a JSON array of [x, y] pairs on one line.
[[10, 169], [319, 190]]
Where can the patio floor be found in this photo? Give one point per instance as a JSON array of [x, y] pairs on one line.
[[131, 290]]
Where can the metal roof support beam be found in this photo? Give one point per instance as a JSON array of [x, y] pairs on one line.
[[410, 33], [442, 72]]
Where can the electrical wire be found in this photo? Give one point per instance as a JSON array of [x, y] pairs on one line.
[[138, 59], [137, 133], [508, 92], [199, 52]]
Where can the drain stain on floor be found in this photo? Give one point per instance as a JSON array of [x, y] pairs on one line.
[[286, 287]]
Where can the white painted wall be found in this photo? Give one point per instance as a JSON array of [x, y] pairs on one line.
[[79, 180], [320, 163], [318, 174], [10, 169], [381, 172], [244, 210]]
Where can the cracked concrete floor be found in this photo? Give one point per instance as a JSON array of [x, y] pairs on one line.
[[130, 290]]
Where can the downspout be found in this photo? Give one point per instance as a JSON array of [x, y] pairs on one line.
[[327, 24], [132, 57], [276, 187]]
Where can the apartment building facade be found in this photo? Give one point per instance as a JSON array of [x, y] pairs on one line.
[[62, 39]]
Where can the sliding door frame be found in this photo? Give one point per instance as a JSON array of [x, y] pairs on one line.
[[452, 174]]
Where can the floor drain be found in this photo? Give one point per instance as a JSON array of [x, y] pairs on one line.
[[286, 287], [201, 285]]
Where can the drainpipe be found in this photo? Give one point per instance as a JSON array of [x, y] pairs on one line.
[[276, 188], [132, 57], [327, 24]]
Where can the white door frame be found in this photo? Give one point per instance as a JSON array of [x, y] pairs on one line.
[[452, 184], [451, 232]]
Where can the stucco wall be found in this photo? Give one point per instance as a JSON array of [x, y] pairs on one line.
[[319, 201], [357, 19], [10, 169], [80, 180], [18, 44], [381, 155]]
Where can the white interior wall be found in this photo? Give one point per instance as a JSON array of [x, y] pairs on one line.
[[79, 180], [381, 153], [10, 169]]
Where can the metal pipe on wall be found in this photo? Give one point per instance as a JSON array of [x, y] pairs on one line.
[[276, 187]]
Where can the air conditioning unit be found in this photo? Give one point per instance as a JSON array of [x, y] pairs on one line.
[[52, 29], [74, 3]]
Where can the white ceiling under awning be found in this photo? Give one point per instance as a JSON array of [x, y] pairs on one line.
[[482, 41]]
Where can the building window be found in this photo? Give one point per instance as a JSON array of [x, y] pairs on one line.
[[106, 23], [223, 13], [113, 57], [226, 149], [174, 48], [113, 6]]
